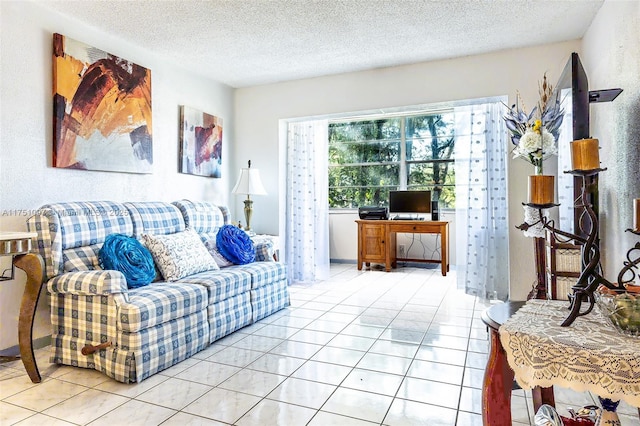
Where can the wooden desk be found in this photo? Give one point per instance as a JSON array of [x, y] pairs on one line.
[[377, 241]]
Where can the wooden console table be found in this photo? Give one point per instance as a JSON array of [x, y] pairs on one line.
[[498, 376], [528, 343], [377, 241]]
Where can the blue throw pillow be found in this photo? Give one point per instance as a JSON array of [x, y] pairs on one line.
[[234, 244], [129, 256]]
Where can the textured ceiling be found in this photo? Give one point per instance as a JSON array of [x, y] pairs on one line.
[[250, 42]]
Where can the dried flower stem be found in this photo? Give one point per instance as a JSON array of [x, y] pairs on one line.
[[545, 90]]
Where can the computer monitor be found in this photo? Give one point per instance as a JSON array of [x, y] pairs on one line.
[[409, 202]]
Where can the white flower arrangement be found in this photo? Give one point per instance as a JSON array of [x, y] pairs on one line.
[[534, 135], [536, 146]]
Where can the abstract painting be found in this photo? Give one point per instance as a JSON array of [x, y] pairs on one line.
[[102, 110], [200, 143]]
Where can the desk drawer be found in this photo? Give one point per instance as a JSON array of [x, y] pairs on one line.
[[415, 227]]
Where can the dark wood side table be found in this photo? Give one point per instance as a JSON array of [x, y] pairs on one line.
[[498, 376]]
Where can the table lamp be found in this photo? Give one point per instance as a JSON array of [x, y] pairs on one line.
[[249, 183]]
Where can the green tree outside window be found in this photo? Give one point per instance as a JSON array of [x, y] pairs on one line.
[[367, 159]]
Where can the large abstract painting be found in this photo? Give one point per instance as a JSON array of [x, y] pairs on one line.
[[200, 143], [102, 110]]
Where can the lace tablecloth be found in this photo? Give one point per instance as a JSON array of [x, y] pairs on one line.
[[589, 355]]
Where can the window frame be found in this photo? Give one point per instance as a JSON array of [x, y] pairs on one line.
[[403, 163]]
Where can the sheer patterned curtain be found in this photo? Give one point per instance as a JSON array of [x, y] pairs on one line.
[[307, 204], [481, 201]]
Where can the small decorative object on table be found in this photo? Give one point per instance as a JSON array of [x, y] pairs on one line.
[[621, 308], [548, 416], [608, 415], [621, 305]]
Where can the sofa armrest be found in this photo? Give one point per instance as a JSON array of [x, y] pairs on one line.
[[87, 283], [264, 251]]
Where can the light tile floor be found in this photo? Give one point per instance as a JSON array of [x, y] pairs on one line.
[[362, 348]]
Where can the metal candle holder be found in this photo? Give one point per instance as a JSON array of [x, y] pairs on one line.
[[591, 276]]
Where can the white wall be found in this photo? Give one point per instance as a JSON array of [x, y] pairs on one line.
[[259, 108], [611, 58], [27, 179]]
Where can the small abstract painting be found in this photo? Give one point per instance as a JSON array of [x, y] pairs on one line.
[[200, 143], [102, 110]]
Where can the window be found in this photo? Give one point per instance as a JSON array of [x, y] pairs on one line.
[[369, 158]]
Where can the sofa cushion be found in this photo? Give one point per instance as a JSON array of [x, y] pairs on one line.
[[153, 217], [63, 227], [202, 217], [87, 223], [221, 284], [158, 303], [263, 273], [82, 258], [180, 254]]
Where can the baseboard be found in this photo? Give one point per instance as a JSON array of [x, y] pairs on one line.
[[38, 343]]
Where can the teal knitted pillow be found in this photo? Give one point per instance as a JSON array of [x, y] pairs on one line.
[[129, 256]]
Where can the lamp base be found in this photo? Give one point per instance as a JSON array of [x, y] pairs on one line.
[[248, 211]]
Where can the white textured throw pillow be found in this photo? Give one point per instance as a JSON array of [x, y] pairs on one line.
[[179, 255], [221, 261]]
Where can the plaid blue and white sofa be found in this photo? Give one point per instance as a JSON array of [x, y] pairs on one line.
[[153, 327]]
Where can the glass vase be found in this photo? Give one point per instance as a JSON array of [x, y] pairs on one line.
[[537, 170]]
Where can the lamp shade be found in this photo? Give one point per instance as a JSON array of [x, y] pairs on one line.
[[249, 183]]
